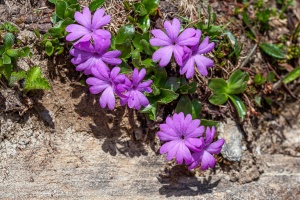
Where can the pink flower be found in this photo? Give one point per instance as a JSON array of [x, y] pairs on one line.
[[181, 135], [134, 90], [172, 42], [89, 27], [204, 154], [106, 81], [87, 55], [195, 56]]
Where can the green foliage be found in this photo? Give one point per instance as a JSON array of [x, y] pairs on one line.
[[96, 4], [10, 52], [234, 43], [63, 16], [142, 12], [222, 91], [272, 50], [292, 75], [209, 28], [35, 81], [8, 27]]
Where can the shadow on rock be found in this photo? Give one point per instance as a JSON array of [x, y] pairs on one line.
[[108, 125], [179, 181]]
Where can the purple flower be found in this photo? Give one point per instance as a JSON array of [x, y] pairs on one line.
[[87, 55], [196, 56], [204, 154], [181, 135], [172, 42], [90, 27], [134, 90], [106, 81]]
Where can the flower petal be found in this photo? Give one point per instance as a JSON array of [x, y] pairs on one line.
[[216, 147], [185, 35], [166, 137], [202, 63], [205, 46], [99, 20], [197, 157], [159, 34], [210, 133], [84, 18], [207, 161], [108, 98], [172, 29], [183, 153], [178, 54], [79, 56], [75, 31], [168, 130], [164, 55], [188, 68]]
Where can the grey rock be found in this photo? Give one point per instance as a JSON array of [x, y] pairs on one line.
[[232, 134]]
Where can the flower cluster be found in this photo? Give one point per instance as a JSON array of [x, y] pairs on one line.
[[185, 47], [91, 55], [184, 142]]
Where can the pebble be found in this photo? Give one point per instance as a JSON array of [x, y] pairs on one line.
[[232, 134]]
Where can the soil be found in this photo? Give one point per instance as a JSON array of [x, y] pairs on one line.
[[61, 144]]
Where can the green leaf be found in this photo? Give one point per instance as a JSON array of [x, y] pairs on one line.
[[148, 63], [24, 52], [126, 32], [2, 49], [150, 5], [217, 85], [189, 88], [160, 76], [8, 40], [151, 111], [38, 84], [257, 100], [210, 123], [259, 79], [144, 23], [60, 8], [196, 109], [33, 73], [6, 59], [184, 105], [246, 19], [237, 82], [292, 75], [239, 106], [139, 9], [155, 90], [6, 71], [136, 58], [272, 50], [52, 1], [126, 5], [16, 76], [172, 83], [13, 53], [138, 38], [34, 80], [167, 96], [234, 43], [49, 48], [218, 99], [125, 68], [271, 77], [146, 47], [96, 4], [125, 48]]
